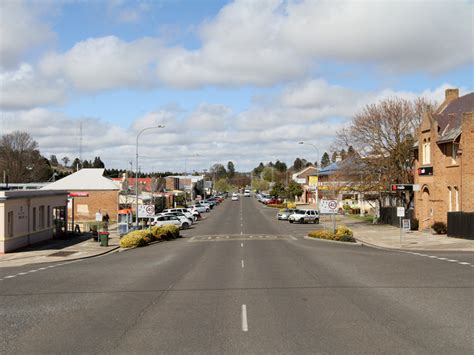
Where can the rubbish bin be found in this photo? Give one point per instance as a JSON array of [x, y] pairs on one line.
[[104, 239]]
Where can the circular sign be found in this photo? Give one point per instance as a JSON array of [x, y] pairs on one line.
[[332, 205], [150, 209]]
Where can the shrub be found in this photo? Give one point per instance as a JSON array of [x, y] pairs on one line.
[[440, 227], [344, 234], [158, 233], [322, 234], [134, 239], [276, 205], [291, 205], [170, 231], [414, 224]]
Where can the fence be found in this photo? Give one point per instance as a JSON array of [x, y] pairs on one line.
[[388, 215], [461, 225]]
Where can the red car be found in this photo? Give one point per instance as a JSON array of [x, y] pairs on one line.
[[273, 201]]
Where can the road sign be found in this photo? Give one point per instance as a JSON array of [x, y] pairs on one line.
[[406, 226], [328, 206], [145, 211], [400, 211]]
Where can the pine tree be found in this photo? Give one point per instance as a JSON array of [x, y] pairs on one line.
[[325, 160]]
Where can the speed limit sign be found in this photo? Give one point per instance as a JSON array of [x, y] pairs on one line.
[[146, 211], [328, 206]]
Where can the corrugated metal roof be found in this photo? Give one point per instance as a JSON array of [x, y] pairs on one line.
[[84, 180], [450, 135]]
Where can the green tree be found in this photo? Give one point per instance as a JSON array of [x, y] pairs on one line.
[[260, 185], [297, 164], [65, 161], [222, 185], [230, 169], [53, 160], [294, 190], [325, 160], [258, 170], [280, 166], [333, 156], [218, 171], [278, 190], [76, 164], [98, 163], [268, 174]]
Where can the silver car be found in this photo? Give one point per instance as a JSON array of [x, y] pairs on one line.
[[284, 213]]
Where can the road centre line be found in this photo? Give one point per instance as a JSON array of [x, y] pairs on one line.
[[243, 264], [245, 326], [241, 245]]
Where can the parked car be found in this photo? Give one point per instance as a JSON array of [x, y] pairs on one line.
[[235, 197], [284, 213], [273, 201], [304, 216], [200, 209], [204, 204], [165, 220], [182, 217], [185, 211]]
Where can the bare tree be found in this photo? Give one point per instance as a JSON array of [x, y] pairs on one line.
[[21, 160], [382, 134]]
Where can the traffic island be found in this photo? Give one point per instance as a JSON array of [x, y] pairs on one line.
[[342, 234]]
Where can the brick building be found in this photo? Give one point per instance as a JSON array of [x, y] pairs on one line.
[[444, 160], [90, 192]]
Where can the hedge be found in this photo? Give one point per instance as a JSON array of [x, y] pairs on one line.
[[143, 237], [343, 234]]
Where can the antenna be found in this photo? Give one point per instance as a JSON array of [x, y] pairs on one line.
[[80, 141]]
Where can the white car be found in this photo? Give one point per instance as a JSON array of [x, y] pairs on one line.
[[200, 209], [185, 211], [247, 193], [304, 216], [160, 221], [182, 217], [235, 197]]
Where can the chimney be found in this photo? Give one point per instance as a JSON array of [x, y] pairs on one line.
[[451, 95]]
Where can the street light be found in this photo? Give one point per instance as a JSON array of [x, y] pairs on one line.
[[136, 169], [317, 169]]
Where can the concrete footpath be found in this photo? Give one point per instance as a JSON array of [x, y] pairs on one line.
[[386, 236], [76, 247]]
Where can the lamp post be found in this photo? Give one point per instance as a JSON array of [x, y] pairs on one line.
[[317, 169], [136, 169]]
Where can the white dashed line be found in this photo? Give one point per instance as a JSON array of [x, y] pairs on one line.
[[293, 238], [241, 245], [10, 276], [245, 326], [464, 263], [452, 261], [442, 259], [243, 265]]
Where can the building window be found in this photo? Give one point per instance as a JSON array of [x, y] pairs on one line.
[[454, 151], [450, 199], [34, 218], [41, 217], [10, 224], [426, 152], [456, 199], [49, 217]]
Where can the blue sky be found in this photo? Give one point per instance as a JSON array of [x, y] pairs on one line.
[[237, 80]]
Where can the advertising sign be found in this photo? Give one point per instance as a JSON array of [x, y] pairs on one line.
[[313, 180], [400, 211], [406, 226], [145, 211], [328, 206]]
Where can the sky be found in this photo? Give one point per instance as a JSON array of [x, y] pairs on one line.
[[240, 81]]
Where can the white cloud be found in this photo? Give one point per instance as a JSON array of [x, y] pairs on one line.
[[269, 41], [20, 30], [261, 133], [23, 88], [105, 63]]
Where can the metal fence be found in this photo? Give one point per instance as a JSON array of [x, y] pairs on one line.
[[388, 215], [461, 225]]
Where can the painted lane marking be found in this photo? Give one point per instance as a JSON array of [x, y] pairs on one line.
[[10, 276], [452, 261], [227, 237], [22, 273], [293, 238], [442, 259], [243, 264], [464, 263], [241, 245], [432, 256], [241, 233], [245, 326]]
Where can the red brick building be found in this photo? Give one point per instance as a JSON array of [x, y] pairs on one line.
[[90, 193], [444, 160]]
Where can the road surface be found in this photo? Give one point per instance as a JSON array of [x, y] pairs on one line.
[[241, 282]]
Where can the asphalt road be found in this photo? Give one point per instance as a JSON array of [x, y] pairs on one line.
[[241, 282]]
